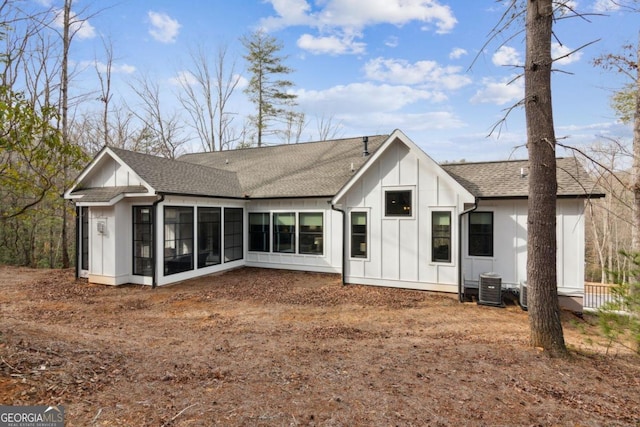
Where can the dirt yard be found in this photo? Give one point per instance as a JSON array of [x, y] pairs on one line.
[[275, 348]]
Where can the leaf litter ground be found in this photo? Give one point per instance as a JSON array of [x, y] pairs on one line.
[[255, 347]]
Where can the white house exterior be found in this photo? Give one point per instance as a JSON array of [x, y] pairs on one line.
[[377, 210]]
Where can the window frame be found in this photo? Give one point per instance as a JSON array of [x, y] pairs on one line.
[[292, 234], [365, 256], [315, 233], [472, 248], [435, 235], [398, 190], [233, 234], [134, 236], [265, 232], [178, 239], [202, 225]]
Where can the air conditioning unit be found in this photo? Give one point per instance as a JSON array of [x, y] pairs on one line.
[[490, 290], [523, 295]]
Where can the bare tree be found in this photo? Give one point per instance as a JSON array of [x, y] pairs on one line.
[[104, 76], [164, 130], [326, 128], [206, 89]]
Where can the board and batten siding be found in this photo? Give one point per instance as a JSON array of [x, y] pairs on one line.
[[399, 248], [329, 262], [509, 258], [109, 173]]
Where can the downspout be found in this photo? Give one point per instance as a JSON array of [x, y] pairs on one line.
[[154, 244], [344, 240], [77, 242], [460, 284]]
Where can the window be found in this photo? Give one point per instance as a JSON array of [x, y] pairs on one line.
[[311, 233], [208, 237], [358, 234], [233, 234], [178, 239], [259, 224], [84, 238], [284, 232], [441, 236], [142, 240], [398, 203], [481, 234]]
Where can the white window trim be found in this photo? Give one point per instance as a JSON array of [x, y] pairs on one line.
[[368, 212], [386, 189], [454, 231]]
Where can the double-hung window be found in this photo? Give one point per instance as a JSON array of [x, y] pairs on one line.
[[481, 234], [358, 234], [441, 236], [284, 232], [259, 229], [311, 233]]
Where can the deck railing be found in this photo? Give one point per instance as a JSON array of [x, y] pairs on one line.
[[596, 295]]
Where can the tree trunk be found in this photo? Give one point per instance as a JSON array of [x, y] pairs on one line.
[[635, 228], [64, 89], [544, 310]]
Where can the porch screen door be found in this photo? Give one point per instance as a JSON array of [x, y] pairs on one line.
[[142, 241]]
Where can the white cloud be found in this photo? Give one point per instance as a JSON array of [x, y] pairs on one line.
[[361, 98], [183, 78], [499, 92], [457, 53], [80, 28], [602, 6], [115, 68], [506, 55], [429, 73], [391, 41], [163, 28], [330, 45], [558, 50], [360, 13], [345, 19]]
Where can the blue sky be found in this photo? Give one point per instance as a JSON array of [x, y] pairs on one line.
[[372, 66]]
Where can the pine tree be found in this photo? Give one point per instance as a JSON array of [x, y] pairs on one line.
[[266, 90]]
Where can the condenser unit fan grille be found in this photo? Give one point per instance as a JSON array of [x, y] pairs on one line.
[[490, 290]]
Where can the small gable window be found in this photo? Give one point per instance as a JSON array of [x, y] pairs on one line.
[[397, 203]]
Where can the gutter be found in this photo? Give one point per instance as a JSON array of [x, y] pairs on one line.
[[154, 245], [344, 240], [460, 284]]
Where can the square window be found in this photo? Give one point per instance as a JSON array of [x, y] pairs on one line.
[[398, 203]]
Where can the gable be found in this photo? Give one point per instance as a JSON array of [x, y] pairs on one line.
[[400, 162]]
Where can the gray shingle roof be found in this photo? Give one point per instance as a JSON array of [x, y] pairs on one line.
[[106, 194], [174, 176], [296, 170], [504, 179]]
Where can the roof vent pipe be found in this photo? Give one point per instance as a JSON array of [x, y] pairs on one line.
[[365, 141]]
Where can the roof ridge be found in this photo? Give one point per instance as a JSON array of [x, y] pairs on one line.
[[493, 162], [264, 147]]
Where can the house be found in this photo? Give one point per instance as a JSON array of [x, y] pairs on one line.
[[377, 210]]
